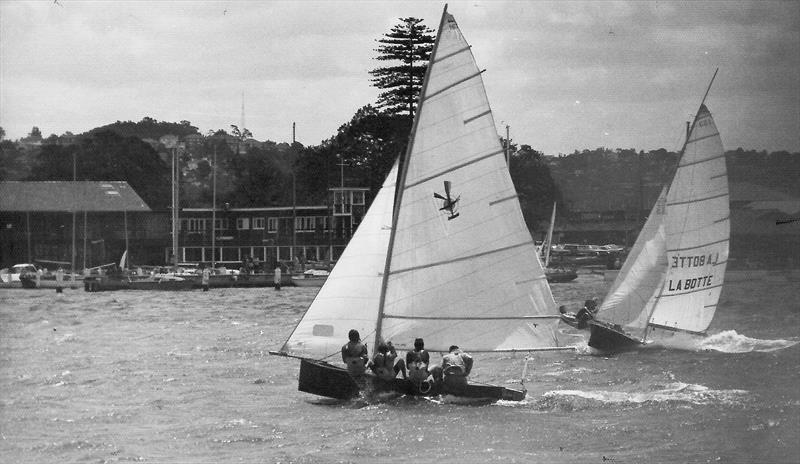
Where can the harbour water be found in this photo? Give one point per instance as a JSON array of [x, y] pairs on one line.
[[185, 377]]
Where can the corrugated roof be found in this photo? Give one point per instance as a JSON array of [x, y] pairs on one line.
[[58, 196]]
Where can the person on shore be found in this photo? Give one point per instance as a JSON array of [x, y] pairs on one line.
[[417, 362], [277, 279], [456, 367], [354, 354], [383, 363], [206, 276]]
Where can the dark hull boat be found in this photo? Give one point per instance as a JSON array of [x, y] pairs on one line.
[[324, 379], [607, 338], [560, 274]]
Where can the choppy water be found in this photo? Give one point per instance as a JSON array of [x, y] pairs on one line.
[[185, 377]]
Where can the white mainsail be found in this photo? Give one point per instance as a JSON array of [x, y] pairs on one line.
[[673, 276], [698, 232], [350, 296], [475, 279], [462, 272]]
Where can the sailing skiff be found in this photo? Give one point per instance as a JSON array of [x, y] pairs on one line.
[[443, 252], [671, 282]]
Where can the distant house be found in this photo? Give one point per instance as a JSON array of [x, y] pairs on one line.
[[39, 219]]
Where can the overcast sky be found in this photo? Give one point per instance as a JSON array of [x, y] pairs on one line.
[[562, 75]]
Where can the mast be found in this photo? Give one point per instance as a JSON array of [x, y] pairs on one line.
[[549, 242], [74, 179], [294, 199], [401, 178], [214, 209]]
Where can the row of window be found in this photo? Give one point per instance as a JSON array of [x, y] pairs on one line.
[[301, 224]]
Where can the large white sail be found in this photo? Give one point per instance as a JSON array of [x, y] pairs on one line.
[[673, 276], [469, 274], [697, 231], [350, 296]]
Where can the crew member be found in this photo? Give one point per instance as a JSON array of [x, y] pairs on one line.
[[455, 368], [354, 354], [417, 362], [383, 363]]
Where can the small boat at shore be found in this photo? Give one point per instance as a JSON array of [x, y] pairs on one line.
[[311, 278]]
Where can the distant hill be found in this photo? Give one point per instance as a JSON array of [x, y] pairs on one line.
[[148, 128]]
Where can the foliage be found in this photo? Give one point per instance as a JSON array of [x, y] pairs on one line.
[[410, 43], [367, 146], [108, 156], [148, 128], [535, 186]]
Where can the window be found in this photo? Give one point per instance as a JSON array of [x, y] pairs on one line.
[[358, 198], [221, 224], [195, 224], [258, 223], [242, 223], [272, 225], [305, 223]]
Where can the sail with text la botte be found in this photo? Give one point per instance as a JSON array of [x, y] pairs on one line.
[[450, 260], [673, 277]]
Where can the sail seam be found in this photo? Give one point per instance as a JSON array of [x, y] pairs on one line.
[[697, 200], [719, 176], [463, 258], [700, 246], [720, 264], [492, 203], [469, 120], [454, 168], [476, 318], [722, 220], [437, 60], [701, 161], [703, 138], [690, 291], [454, 84]]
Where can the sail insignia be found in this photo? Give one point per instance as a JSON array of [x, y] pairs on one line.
[[449, 203]]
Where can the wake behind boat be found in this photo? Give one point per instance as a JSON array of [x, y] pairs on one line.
[[443, 252], [672, 279]]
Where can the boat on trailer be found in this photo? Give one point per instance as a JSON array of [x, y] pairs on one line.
[[672, 279], [442, 254]]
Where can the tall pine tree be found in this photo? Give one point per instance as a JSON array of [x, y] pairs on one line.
[[410, 43]]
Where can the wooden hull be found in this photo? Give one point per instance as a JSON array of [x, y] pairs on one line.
[[106, 283], [606, 338], [555, 275], [324, 379], [50, 283], [308, 281]]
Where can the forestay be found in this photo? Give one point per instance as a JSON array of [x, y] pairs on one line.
[[473, 279]]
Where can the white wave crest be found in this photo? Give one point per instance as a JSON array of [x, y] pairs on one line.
[[729, 341], [675, 392]]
